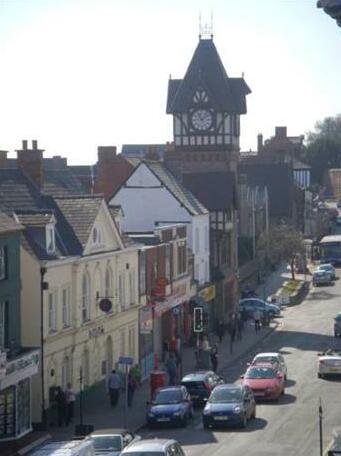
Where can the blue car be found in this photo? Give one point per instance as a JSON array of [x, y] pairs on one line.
[[171, 405], [229, 405]]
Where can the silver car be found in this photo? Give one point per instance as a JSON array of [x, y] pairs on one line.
[[321, 277], [111, 442], [161, 447], [327, 267]]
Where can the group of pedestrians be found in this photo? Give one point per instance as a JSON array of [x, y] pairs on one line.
[[65, 405], [115, 385]]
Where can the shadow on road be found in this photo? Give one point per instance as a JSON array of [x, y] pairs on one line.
[[289, 383], [320, 295], [332, 378]]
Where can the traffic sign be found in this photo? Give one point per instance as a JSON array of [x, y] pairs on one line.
[[125, 360]]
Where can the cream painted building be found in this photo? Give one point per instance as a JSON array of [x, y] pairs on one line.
[[86, 260]]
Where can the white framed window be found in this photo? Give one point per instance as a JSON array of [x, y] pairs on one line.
[[96, 236], [52, 311], [85, 297], [142, 272], [3, 262], [66, 317], [132, 287], [108, 283], [50, 239], [121, 290], [2, 324]]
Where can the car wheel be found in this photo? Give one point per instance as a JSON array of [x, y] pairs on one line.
[[243, 422]]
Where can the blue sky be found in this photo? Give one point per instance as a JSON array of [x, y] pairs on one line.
[[76, 74]]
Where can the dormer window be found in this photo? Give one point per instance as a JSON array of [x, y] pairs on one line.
[[50, 239], [96, 236]]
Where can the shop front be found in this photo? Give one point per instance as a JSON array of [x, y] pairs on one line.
[[15, 394], [146, 353]]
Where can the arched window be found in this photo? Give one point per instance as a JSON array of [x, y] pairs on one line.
[[108, 283], [85, 297]]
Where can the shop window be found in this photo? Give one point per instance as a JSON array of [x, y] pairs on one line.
[[7, 412], [24, 406], [3, 262]]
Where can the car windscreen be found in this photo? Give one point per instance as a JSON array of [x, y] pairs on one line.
[[226, 396], [167, 397], [260, 372], [107, 442], [266, 359], [198, 384]]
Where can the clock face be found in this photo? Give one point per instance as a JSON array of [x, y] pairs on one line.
[[202, 119]]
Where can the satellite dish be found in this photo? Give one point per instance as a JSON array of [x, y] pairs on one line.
[[105, 305]]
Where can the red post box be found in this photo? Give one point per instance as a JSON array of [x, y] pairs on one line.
[[157, 379]]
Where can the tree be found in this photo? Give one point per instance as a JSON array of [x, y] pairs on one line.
[[282, 244], [323, 149]]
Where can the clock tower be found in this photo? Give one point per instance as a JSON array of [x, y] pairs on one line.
[[206, 106]]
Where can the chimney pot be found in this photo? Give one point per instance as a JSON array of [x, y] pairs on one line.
[[3, 158], [24, 144], [34, 144], [259, 142]]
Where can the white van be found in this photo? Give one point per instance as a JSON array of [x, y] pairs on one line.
[[70, 448]]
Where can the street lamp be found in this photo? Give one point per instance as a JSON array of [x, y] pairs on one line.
[[43, 286]]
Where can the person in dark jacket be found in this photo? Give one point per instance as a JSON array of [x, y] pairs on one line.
[[214, 358], [61, 407]]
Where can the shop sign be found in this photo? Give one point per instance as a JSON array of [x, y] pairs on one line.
[[178, 296], [146, 320], [20, 368], [208, 293], [97, 331]]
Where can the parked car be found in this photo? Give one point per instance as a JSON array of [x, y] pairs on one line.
[[229, 404], [328, 268], [200, 385], [337, 325], [65, 448], [265, 380], [110, 442], [273, 358], [329, 363], [251, 304], [321, 277], [170, 405], [159, 447]]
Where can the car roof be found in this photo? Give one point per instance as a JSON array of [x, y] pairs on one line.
[[269, 365], [196, 375], [228, 386], [325, 264], [151, 445], [170, 388], [267, 354], [110, 431]]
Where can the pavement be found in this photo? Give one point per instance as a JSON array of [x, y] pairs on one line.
[[96, 407]]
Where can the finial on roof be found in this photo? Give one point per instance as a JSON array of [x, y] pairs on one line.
[[205, 30]]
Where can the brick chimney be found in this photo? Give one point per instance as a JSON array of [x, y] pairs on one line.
[[3, 158], [259, 142], [30, 161], [111, 171], [280, 132], [59, 162]]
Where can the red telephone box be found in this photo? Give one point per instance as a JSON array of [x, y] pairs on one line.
[[157, 380]]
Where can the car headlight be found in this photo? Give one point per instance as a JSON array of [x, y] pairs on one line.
[[206, 411], [179, 413], [237, 409]]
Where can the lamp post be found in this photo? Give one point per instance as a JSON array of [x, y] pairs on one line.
[[43, 286]]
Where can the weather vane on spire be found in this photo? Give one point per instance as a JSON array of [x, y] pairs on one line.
[[206, 29]]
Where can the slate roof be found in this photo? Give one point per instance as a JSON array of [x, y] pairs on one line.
[[7, 224], [35, 218], [278, 180], [179, 191], [62, 183], [207, 70], [141, 150], [215, 190], [80, 214]]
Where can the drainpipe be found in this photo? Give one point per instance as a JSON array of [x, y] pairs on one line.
[[43, 286]]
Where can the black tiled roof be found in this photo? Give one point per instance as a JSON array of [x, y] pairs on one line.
[[7, 224], [207, 70], [215, 190], [278, 180], [80, 214]]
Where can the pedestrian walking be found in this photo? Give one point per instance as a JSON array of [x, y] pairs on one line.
[[132, 384], [61, 407], [214, 358], [114, 386], [220, 330], [135, 372], [171, 368], [70, 399], [257, 319]]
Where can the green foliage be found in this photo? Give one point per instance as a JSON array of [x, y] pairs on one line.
[[323, 149]]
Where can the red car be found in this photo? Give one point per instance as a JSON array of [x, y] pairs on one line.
[[265, 380]]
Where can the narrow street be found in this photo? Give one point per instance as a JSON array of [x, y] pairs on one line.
[[290, 426]]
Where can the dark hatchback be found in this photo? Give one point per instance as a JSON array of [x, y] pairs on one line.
[[170, 405], [229, 405], [200, 385]]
